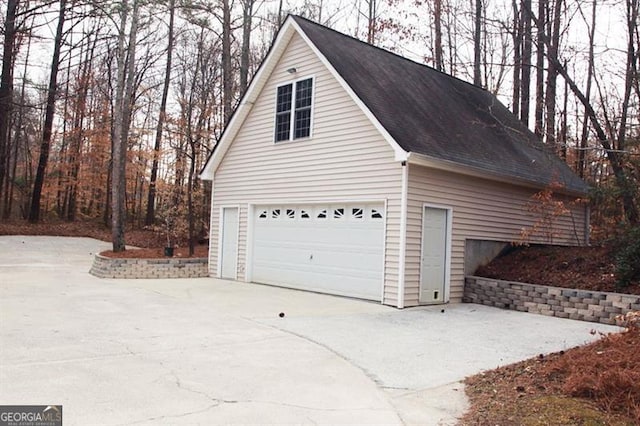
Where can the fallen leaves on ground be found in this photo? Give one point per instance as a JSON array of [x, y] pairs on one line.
[[596, 384], [145, 239], [587, 268]]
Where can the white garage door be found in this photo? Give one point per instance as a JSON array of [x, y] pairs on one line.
[[336, 249]]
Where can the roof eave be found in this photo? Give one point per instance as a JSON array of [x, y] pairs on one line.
[[450, 166]]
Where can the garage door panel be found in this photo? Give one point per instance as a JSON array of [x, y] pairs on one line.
[[332, 249], [320, 279]]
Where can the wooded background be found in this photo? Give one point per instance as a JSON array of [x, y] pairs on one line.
[[109, 108]]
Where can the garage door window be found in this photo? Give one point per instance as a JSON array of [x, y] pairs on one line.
[[340, 213]]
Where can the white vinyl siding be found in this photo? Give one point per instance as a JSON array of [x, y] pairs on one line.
[[482, 209], [347, 160]]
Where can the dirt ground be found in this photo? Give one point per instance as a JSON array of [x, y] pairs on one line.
[[588, 268]]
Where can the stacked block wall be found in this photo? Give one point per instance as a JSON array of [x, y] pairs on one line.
[[594, 306], [105, 267]]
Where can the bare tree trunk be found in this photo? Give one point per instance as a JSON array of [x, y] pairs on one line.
[[517, 57], [61, 195], [541, 25], [190, 186], [525, 81], [34, 210], [437, 23], [6, 84], [12, 160], [247, 14], [227, 74], [585, 122], [564, 129], [151, 199], [616, 160], [552, 76], [372, 16], [124, 86], [630, 74], [75, 149], [477, 34], [107, 191], [279, 16]]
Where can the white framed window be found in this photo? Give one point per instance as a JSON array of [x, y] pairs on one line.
[[293, 110]]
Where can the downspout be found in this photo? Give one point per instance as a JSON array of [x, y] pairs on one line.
[[403, 233], [212, 225]]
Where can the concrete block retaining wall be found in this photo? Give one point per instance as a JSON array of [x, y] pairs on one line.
[[106, 267], [594, 306]]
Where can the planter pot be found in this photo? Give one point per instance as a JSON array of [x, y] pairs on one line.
[[168, 251]]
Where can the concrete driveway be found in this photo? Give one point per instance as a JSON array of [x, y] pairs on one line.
[[208, 351]]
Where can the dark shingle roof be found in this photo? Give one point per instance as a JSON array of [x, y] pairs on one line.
[[434, 114]]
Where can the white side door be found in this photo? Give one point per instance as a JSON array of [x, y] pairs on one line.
[[434, 255], [229, 243]]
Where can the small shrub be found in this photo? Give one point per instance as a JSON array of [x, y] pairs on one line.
[[628, 257]]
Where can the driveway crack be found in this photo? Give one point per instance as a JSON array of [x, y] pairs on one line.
[[367, 373]]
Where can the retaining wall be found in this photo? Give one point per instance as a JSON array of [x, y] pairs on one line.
[[106, 267], [594, 306]]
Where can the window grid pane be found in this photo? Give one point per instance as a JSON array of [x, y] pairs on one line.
[[283, 126], [302, 120], [283, 112], [303, 93], [284, 98], [303, 123]]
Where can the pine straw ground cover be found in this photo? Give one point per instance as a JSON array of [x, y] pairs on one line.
[[586, 268], [596, 384]]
